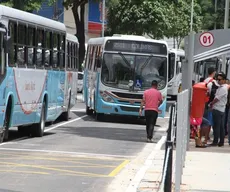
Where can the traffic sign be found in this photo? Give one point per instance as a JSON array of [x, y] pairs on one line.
[[206, 39]]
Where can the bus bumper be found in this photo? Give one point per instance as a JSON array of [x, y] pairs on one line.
[[122, 109]]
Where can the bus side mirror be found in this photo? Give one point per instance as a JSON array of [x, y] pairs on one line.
[[179, 65], [7, 43]]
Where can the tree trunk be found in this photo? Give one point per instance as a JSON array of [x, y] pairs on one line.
[[80, 33]]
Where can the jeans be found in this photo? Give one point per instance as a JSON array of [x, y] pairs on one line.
[[218, 126], [151, 118]]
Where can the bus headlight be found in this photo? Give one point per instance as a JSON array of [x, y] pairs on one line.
[[170, 84], [161, 84], [106, 97]]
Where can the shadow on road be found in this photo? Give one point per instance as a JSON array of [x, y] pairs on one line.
[[111, 133]]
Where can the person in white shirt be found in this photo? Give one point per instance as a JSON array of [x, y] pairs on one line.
[[218, 110]]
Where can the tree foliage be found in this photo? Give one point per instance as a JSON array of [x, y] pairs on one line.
[[139, 17], [25, 5], [180, 20]]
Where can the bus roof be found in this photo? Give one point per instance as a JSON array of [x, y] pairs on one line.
[[23, 16], [179, 52], [71, 37], [102, 40]]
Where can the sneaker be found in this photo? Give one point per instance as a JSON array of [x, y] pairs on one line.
[[220, 144], [148, 140]]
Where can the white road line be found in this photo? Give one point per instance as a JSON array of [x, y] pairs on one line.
[[68, 152], [77, 110], [148, 162], [61, 124]]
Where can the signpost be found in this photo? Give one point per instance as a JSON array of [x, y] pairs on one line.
[[206, 39]]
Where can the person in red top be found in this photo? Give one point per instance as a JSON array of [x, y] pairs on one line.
[[152, 99]]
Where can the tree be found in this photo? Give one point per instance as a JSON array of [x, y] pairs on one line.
[[180, 19], [139, 17], [25, 5]]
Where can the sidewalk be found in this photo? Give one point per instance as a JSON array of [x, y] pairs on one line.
[[207, 170]]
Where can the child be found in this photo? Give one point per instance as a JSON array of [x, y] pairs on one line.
[[200, 127]]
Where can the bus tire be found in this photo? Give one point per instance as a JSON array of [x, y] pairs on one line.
[[88, 110], [66, 114], [99, 116], [2, 133], [40, 127], [6, 124]]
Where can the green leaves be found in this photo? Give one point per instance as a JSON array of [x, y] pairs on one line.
[[157, 18], [138, 17]]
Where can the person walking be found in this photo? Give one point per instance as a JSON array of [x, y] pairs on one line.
[[218, 110], [152, 99]]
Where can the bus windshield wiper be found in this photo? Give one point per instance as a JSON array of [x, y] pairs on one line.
[[147, 60], [125, 60]]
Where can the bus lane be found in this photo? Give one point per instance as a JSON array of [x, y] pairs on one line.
[[80, 154]]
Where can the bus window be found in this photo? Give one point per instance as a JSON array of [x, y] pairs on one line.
[[171, 69], [13, 51], [55, 50], [48, 51], [41, 47], [21, 52], [31, 46]]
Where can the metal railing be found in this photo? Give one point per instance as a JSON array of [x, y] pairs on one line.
[[166, 180], [182, 137]]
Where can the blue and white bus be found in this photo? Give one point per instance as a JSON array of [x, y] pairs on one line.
[[119, 69], [38, 74]]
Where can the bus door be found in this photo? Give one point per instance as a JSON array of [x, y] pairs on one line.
[[172, 67]]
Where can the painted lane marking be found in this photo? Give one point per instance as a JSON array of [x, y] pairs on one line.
[[77, 110], [61, 124], [118, 168], [54, 169], [69, 152], [148, 162], [27, 172]]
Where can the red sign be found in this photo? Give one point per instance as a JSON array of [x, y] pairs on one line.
[[206, 39]]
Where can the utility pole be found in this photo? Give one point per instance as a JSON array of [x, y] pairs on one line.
[[103, 18], [226, 18], [215, 13]]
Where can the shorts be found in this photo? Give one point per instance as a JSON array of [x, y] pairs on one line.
[[205, 123]]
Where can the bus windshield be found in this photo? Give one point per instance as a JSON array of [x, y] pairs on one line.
[[133, 72]]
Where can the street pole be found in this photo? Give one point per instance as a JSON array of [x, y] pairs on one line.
[[187, 68], [215, 13], [103, 18], [226, 18]]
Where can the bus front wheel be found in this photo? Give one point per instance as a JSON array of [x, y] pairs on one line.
[[2, 131], [40, 127]]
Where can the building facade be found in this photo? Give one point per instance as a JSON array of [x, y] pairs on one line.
[[93, 17]]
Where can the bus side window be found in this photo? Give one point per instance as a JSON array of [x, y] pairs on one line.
[[68, 55], [76, 56], [96, 58], [62, 52], [21, 51], [87, 58], [48, 51], [55, 50], [13, 34], [31, 46], [91, 58], [40, 48], [72, 56]]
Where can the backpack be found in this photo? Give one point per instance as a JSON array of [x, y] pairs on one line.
[[213, 92]]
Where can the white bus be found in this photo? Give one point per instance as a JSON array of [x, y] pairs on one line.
[[201, 68], [176, 56], [117, 71], [38, 73]]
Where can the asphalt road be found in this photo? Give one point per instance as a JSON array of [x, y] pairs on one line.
[[80, 155]]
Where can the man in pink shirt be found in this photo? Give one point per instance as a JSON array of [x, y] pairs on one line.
[[152, 99]]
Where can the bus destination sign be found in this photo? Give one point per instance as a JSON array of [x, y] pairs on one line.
[[136, 47]]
